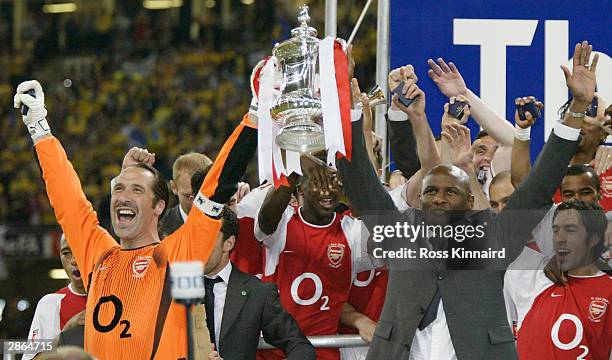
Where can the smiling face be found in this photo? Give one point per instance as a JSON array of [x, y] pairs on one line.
[[571, 242], [579, 187], [499, 193], [320, 205], [134, 211], [484, 150], [70, 265], [444, 189]]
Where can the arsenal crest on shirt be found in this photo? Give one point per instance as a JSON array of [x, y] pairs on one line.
[[335, 253], [597, 309], [140, 265]]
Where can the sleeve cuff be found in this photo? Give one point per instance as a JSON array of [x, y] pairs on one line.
[[356, 113], [565, 132], [396, 115]]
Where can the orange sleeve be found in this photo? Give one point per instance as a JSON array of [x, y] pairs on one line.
[[75, 214], [201, 228]]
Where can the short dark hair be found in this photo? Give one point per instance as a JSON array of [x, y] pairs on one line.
[[580, 169], [481, 134], [160, 186], [229, 223], [593, 218]]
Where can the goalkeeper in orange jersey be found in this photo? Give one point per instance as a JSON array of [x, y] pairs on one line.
[[130, 314]]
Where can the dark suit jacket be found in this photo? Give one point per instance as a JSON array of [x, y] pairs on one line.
[[171, 221], [473, 300], [251, 307]]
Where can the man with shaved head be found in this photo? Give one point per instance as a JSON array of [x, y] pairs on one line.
[[500, 190], [435, 308]]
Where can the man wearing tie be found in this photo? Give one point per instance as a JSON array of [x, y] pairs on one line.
[[240, 306]]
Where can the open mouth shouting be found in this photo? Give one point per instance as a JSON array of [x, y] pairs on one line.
[[125, 216], [326, 202], [562, 254], [76, 274]]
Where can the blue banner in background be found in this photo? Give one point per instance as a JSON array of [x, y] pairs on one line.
[[503, 49]]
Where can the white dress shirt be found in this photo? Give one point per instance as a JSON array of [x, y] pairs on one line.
[[220, 290], [183, 214]]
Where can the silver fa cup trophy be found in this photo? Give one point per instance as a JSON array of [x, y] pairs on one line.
[[298, 109]]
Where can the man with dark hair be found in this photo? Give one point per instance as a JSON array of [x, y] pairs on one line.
[[239, 306], [580, 183], [129, 313], [570, 318]]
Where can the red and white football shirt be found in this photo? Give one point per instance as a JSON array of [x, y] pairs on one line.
[[313, 267], [559, 322], [52, 313], [367, 296], [247, 254]]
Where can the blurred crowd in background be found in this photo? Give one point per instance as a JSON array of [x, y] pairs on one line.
[[136, 78], [129, 77]]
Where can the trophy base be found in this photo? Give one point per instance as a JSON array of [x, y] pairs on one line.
[[303, 138]]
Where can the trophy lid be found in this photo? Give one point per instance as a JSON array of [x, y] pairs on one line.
[[304, 29], [303, 41]]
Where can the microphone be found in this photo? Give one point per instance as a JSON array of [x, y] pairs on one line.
[[187, 288], [187, 280]]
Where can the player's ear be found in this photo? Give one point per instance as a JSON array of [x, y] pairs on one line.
[[173, 187], [158, 209], [229, 243]]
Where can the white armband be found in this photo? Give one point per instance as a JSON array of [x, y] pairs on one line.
[[207, 206]]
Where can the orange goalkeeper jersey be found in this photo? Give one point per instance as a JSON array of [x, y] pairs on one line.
[[130, 313]]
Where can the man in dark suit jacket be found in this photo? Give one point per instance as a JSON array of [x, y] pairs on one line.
[[464, 308], [239, 306], [182, 170]]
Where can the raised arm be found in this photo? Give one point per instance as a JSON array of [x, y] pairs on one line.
[[401, 135], [73, 211], [275, 204], [451, 83], [457, 150], [521, 158], [197, 236], [358, 174], [425, 142], [536, 192]]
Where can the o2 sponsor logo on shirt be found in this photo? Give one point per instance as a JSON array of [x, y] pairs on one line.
[[335, 254], [597, 309], [140, 266]]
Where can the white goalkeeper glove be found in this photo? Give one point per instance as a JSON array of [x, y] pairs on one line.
[[35, 119]]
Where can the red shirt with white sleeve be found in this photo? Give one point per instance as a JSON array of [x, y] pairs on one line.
[[52, 313], [560, 322], [313, 267]]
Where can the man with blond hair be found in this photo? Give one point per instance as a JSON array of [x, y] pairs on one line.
[[182, 170]]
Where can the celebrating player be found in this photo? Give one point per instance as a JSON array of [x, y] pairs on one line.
[[571, 320], [54, 310], [311, 252], [129, 312]]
